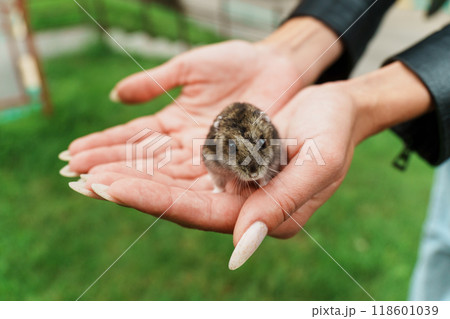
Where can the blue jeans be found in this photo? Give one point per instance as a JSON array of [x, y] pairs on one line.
[[431, 278]]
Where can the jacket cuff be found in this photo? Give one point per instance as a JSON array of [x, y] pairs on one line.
[[429, 135], [355, 21]]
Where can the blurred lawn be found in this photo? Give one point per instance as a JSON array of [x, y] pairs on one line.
[[125, 14], [54, 242]]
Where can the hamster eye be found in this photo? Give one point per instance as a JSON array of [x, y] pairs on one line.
[[261, 143]]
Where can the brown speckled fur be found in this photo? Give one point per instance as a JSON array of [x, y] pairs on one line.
[[236, 122]]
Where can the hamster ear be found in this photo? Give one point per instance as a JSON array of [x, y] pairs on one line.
[[216, 122], [265, 117]]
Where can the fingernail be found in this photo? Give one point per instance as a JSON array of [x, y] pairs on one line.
[[65, 156], [80, 187], [85, 177], [114, 96], [248, 244], [66, 172], [102, 191]]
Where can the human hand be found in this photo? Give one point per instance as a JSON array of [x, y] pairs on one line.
[[265, 74], [335, 117], [324, 114]]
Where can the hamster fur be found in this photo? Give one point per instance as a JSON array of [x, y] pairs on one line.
[[242, 145]]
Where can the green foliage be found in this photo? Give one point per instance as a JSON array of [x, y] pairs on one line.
[[156, 19], [54, 242]]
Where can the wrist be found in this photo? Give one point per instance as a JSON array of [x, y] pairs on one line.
[[385, 98], [308, 43]]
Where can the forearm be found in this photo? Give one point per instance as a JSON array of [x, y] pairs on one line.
[[354, 21], [308, 43], [387, 97]]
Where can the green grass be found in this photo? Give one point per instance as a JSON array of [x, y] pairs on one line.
[[125, 14], [54, 242]]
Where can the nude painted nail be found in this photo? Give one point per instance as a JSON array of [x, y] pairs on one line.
[[66, 172], [80, 187], [85, 177], [65, 156], [248, 244], [114, 96], [102, 191]]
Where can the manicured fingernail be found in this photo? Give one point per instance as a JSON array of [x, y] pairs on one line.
[[66, 172], [80, 187], [85, 177], [114, 96], [65, 156], [102, 191], [248, 244]]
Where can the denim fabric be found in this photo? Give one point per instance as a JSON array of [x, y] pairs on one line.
[[431, 278]]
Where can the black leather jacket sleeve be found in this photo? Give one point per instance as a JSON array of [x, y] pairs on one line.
[[354, 21], [429, 135]]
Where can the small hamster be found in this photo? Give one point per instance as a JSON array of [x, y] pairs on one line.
[[242, 145]]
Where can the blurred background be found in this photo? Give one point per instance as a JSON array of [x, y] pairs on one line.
[[54, 86]]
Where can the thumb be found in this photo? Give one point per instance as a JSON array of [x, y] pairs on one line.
[[145, 85], [270, 206]]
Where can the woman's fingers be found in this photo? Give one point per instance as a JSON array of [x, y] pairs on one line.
[[144, 86], [286, 193], [82, 162], [297, 220], [84, 184], [268, 207], [107, 178], [292, 225], [203, 210], [117, 135], [139, 168], [185, 170], [177, 156]]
